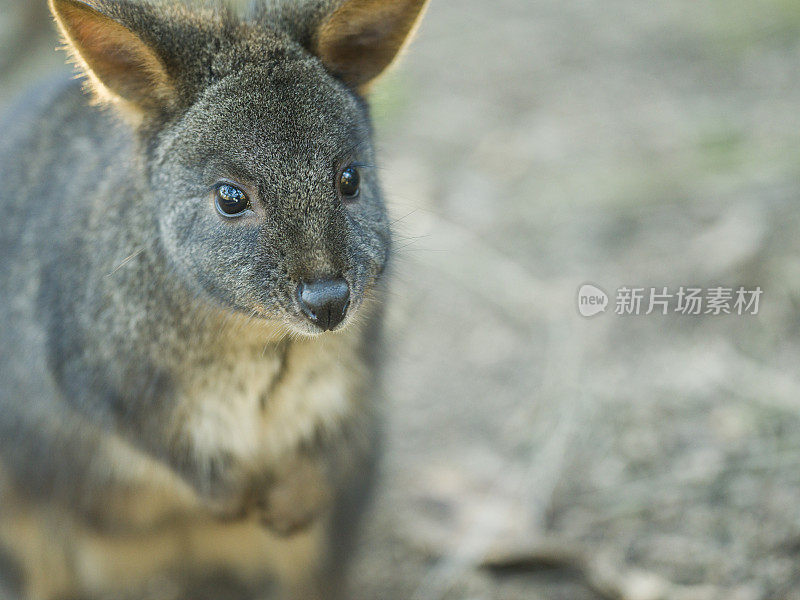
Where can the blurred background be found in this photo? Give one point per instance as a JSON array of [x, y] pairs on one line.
[[528, 147]]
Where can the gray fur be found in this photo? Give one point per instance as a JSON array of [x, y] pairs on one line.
[[130, 306]]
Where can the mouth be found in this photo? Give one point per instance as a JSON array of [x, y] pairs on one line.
[[304, 321], [314, 308], [310, 323]]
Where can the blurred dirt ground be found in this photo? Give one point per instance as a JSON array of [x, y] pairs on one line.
[[530, 146]]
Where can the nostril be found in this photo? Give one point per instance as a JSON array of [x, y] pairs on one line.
[[325, 301]]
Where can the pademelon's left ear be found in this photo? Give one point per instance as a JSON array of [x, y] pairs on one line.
[[108, 41], [359, 39]]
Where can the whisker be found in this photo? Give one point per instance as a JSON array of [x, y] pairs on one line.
[[126, 261]]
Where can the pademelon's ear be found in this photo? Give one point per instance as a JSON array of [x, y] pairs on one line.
[[119, 64], [359, 39]]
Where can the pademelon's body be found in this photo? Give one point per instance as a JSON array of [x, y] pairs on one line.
[[175, 420]]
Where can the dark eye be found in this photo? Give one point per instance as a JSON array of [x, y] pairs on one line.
[[231, 201], [350, 182]]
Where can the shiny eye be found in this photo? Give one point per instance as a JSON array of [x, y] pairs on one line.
[[350, 182], [230, 200]]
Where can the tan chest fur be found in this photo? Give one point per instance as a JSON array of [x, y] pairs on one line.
[[256, 409]]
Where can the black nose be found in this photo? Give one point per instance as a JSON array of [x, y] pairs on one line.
[[324, 302]]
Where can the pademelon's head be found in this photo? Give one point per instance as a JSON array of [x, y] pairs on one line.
[[256, 142]]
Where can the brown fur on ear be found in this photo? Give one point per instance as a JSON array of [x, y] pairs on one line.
[[119, 65], [361, 38]]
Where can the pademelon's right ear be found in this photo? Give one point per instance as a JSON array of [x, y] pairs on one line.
[[358, 39], [121, 66]]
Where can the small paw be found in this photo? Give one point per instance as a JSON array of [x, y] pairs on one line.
[[295, 499]]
